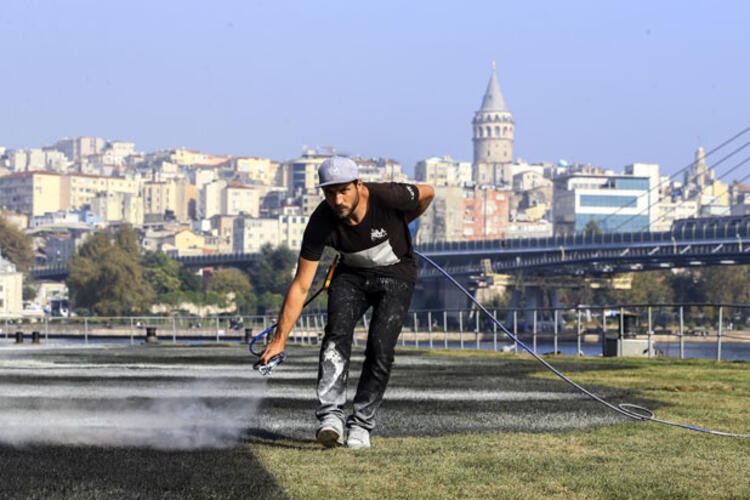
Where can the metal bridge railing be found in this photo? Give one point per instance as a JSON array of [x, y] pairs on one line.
[[699, 232]]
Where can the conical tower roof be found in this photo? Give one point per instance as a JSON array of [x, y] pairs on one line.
[[493, 97]]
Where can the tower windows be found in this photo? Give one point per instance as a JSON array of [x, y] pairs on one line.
[[489, 132], [497, 131]]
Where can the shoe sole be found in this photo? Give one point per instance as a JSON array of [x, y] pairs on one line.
[[329, 437], [358, 446]]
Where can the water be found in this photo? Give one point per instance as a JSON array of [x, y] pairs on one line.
[[730, 351]]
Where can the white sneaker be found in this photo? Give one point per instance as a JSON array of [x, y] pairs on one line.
[[359, 438], [330, 432]]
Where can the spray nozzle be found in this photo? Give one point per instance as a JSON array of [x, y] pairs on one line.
[[266, 369]]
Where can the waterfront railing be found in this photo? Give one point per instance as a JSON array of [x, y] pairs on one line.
[[718, 331]]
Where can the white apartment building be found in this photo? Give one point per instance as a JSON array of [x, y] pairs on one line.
[[210, 199], [292, 229], [119, 207], [259, 170], [29, 160], [11, 290], [241, 199], [302, 173], [169, 196], [380, 170], [251, 234], [530, 179], [443, 171], [36, 193], [80, 147], [201, 177], [79, 190], [116, 151], [192, 158], [32, 193]]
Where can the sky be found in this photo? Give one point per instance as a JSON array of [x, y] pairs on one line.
[[606, 83]]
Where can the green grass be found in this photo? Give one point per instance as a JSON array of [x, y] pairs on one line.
[[628, 460]]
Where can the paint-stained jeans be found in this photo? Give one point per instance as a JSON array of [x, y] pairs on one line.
[[349, 296]]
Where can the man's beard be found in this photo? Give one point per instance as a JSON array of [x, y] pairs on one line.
[[351, 210]]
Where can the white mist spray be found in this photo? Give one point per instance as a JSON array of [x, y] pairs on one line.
[[167, 407]]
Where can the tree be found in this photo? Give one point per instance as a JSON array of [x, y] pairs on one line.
[[272, 271], [727, 284], [270, 303], [85, 270], [578, 292], [14, 246], [29, 290], [687, 286], [123, 290], [161, 272], [648, 287], [231, 280], [189, 280], [106, 276], [126, 239], [592, 228]]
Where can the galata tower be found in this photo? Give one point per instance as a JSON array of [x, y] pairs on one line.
[[493, 137]]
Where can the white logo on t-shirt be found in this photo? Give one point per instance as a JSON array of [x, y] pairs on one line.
[[411, 191], [376, 234]]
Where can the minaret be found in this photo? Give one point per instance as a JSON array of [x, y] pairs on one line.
[[699, 174], [493, 137]]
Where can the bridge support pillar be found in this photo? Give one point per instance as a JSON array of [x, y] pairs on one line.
[[535, 301], [440, 294]]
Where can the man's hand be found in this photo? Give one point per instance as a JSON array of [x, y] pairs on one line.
[[291, 308], [273, 348]]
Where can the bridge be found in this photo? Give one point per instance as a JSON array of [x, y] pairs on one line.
[[690, 243], [719, 242]]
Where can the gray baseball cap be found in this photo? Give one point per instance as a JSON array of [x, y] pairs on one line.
[[337, 170]]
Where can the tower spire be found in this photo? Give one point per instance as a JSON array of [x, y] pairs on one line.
[[493, 97]]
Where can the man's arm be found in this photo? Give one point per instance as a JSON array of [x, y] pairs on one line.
[[292, 307], [426, 194]]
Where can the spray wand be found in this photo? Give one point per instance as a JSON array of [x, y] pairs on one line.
[[281, 357]]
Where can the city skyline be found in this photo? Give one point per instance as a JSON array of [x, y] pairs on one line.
[[601, 84]]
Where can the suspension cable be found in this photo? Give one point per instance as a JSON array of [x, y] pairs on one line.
[[685, 168], [735, 167]]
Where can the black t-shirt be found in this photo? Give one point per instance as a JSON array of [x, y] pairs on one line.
[[380, 244]]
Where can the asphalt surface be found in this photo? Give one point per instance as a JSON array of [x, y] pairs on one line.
[[173, 422]]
